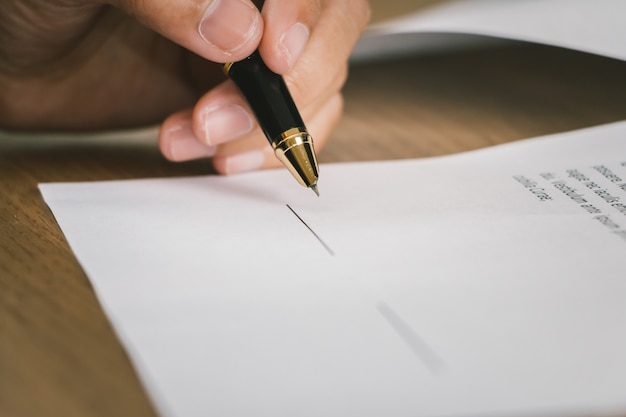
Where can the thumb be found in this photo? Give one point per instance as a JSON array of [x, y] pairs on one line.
[[218, 30]]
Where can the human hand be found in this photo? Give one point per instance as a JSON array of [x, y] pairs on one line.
[[85, 65]]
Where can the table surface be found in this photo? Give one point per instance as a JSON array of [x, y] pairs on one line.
[[58, 353]]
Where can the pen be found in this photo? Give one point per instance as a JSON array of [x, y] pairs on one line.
[[272, 104]]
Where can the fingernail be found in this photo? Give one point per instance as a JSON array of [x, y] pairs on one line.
[[248, 161], [229, 24], [293, 41], [222, 124], [184, 145]]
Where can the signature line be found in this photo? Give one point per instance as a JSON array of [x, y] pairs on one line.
[[314, 234]]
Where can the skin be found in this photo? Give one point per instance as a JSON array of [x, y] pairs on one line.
[[82, 65]]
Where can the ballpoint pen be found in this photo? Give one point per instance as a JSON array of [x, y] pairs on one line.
[[274, 108]]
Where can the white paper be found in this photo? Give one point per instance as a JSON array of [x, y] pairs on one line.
[[591, 26], [472, 284]]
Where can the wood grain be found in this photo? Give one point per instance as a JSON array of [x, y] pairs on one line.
[[441, 104], [58, 353]]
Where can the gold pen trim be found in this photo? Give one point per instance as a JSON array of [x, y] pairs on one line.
[[227, 67], [294, 148]]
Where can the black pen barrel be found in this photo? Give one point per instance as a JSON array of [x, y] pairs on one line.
[[267, 95]]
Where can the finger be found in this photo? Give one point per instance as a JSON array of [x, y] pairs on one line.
[[177, 140], [253, 152], [323, 64], [321, 69], [218, 30], [222, 115], [287, 29]]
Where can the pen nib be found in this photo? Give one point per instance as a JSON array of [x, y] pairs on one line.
[[315, 190]]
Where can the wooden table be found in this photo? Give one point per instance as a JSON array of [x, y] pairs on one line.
[[58, 353]]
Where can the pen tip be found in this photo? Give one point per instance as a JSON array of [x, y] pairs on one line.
[[315, 190]]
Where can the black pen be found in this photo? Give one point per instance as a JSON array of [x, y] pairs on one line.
[[272, 104]]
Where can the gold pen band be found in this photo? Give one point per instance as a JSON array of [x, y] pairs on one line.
[[294, 148], [227, 67]]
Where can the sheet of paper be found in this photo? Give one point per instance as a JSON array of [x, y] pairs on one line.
[[486, 283], [590, 26]]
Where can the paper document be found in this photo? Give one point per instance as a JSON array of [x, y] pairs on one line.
[[486, 283], [590, 26]]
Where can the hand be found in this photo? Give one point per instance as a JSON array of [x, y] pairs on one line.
[[85, 65]]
